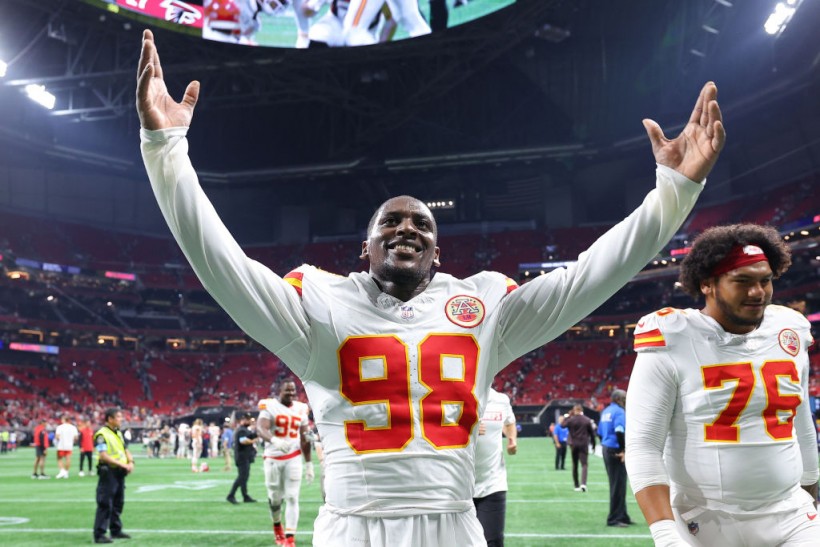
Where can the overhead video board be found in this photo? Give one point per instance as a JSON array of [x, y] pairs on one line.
[[311, 23]]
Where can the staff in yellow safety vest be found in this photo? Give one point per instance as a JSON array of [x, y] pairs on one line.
[[114, 462]]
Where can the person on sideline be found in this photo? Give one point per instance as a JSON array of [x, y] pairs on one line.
[[114, 463]]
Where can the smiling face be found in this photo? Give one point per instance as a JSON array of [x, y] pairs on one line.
[[738, 298], [401, 243]]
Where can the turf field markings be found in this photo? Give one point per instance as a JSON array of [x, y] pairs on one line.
[[298, 533], [11, 521]]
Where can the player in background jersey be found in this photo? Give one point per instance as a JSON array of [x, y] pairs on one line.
[[361, 16], [329, 29], [490, 496], [213, 440], [725, 390], [64, 437], [283, 425], [397, 362], [197, 431]]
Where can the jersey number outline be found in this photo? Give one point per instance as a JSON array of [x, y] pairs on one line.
[[393, 387], [724, 428]]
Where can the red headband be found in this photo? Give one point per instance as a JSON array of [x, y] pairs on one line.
[[742, 255]]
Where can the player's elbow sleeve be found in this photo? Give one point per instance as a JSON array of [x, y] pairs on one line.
[[810, 477], [645, 468]]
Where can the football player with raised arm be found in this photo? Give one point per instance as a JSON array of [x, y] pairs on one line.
[[721, 448], [283, 425], [397, 362]]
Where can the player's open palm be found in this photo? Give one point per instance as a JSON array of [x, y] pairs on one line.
[[156, 108], [694, 152]]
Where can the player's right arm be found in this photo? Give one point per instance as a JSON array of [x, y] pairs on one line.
[[261, 303], [650, 403], [263, 427]]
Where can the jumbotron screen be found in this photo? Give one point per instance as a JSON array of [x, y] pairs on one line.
[[314, 23]]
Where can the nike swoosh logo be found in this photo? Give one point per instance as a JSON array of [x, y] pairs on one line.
[[811, 517], [641, 324]]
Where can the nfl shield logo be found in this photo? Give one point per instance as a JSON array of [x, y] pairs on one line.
[[407, 312], [694, 528]]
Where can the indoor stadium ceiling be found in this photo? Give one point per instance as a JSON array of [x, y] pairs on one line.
[[542, 84]]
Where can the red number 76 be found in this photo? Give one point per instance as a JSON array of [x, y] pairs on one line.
[[724, 428]]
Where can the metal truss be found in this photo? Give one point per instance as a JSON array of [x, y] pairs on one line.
[[98, 52]]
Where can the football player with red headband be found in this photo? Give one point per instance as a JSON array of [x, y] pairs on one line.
[[721, 447]]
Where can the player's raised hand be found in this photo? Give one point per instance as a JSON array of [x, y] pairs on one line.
[[156, 108], [694, 152]]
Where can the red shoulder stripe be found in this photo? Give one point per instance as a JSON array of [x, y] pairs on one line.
[[294, 278], [511, 285]]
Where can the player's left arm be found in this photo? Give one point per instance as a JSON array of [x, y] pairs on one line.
[[510, 431], [550, 304], [807, 440], [304, 440], [509, 428], [304, 436]]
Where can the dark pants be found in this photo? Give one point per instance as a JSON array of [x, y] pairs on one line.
[[491, 511], [438, 15], [83, 457], [110, 501], [560, 455], [616, 471], [579, 454], [243, 468]]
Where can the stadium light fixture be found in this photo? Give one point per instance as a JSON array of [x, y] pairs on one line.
[[38, 94], [3, 67], [781, 16]]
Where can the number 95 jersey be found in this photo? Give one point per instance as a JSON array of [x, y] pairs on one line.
[[285, 422], [731, 408]]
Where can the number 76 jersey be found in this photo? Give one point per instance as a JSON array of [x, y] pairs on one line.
[[739, 433]]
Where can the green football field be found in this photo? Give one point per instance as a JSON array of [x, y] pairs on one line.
[[167, 504]]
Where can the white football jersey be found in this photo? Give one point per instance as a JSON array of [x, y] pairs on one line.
[[285, 422], [735, 408], [213, 432], [67, 434], [490, 469], [397, 387]]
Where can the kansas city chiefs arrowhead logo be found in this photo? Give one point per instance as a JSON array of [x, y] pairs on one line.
[[789, 341], [465, 311]]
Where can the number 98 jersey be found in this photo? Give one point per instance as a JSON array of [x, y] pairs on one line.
[[735, 408], [395, 387]]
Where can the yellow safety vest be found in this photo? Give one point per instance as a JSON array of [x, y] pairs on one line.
[[113, 443]]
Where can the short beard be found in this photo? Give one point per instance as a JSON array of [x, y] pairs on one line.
[[403, 276], [736, 319]]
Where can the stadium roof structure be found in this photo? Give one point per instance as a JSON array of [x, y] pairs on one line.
[[541, 96]]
